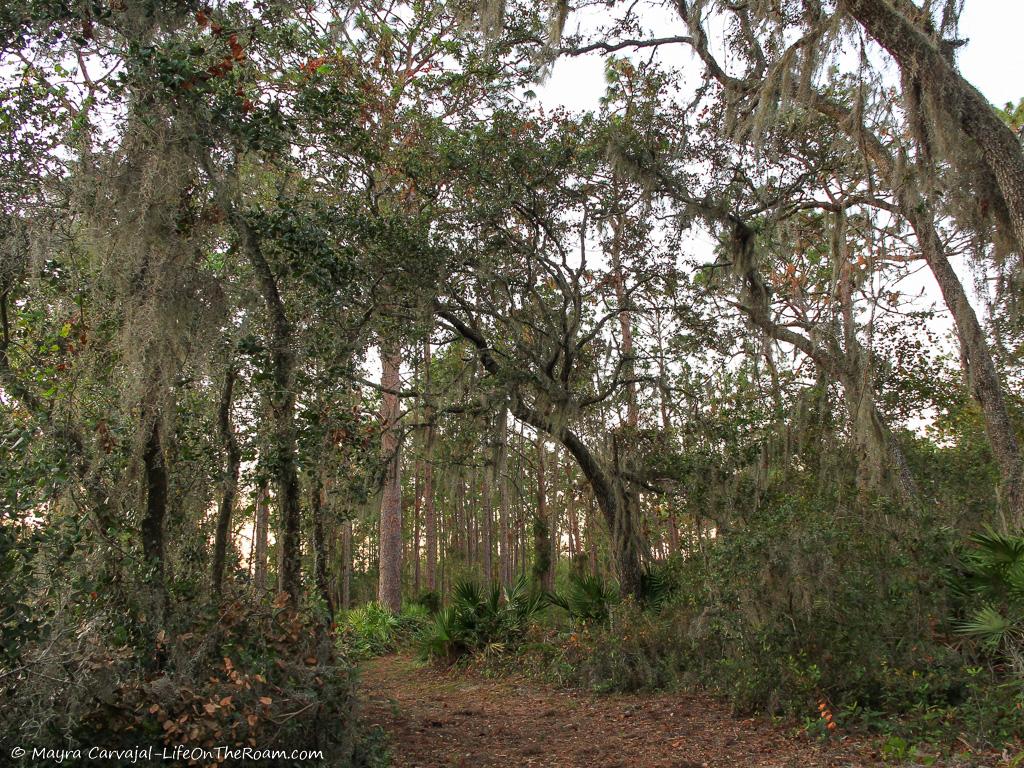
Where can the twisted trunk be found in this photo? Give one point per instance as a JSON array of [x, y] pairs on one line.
[[616, 497]]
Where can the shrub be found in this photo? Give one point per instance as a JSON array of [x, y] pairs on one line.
[[481, 621], [795, 606], [264, 676], [992, 574], [587, 599], [634, 651], [429, 599], [372, 630]]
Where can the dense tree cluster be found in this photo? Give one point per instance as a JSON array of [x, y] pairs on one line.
[[310, 305]]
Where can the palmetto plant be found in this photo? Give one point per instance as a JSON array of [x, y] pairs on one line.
[[481, 620], [369, 630], [993, 573], [588, 598]]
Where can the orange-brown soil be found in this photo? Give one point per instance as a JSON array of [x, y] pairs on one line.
[[442, 718]]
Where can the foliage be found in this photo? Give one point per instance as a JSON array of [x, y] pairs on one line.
[[254, 676], [992, 574], [430, 600], [587, 599], [763, 618], [634, 651], [478, 620], [372, 630], [693, 297], [1013, 115]]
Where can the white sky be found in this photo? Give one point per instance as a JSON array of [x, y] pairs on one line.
[[993, 59]]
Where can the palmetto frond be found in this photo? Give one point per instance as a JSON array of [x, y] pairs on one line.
[[989, 625], [994, 568], [588, 598]]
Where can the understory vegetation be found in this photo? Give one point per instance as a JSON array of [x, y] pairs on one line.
[[931, 638], [341, 328]]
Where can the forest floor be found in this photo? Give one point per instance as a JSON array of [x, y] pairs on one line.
[[449, 718]]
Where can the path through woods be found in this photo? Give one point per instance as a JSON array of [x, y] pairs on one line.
[[439, 718]]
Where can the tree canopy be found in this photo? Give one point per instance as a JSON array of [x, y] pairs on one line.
[[308, 306]]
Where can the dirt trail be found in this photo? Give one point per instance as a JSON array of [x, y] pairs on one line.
[[453, 719]]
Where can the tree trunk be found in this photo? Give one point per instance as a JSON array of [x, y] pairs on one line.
[[282, 405], [417, 508], [501, 476], [843, 366], [316, 504], [488, 542], [591, 529], [881, 460], [979, 366], [429, 510], [389, 589], [152, 527], [469, 516], [458, 514], [619, 503], [571, 513], [625, 322], [541, 531], [554, 537], [346, 565], [981, 371], [229, 483], [924, 64], [260, 535], [954, 96], [442, 533]]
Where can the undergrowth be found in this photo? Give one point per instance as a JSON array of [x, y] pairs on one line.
[[914, 639], [372, 630], [252, 675]]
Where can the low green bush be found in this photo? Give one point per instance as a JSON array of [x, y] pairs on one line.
[[479, 620], [429, 599], [587, 599], [797, 607], [991, 580], [372, 630]]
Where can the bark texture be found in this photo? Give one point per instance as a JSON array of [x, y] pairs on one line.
[[389, 586], [152, 528]]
